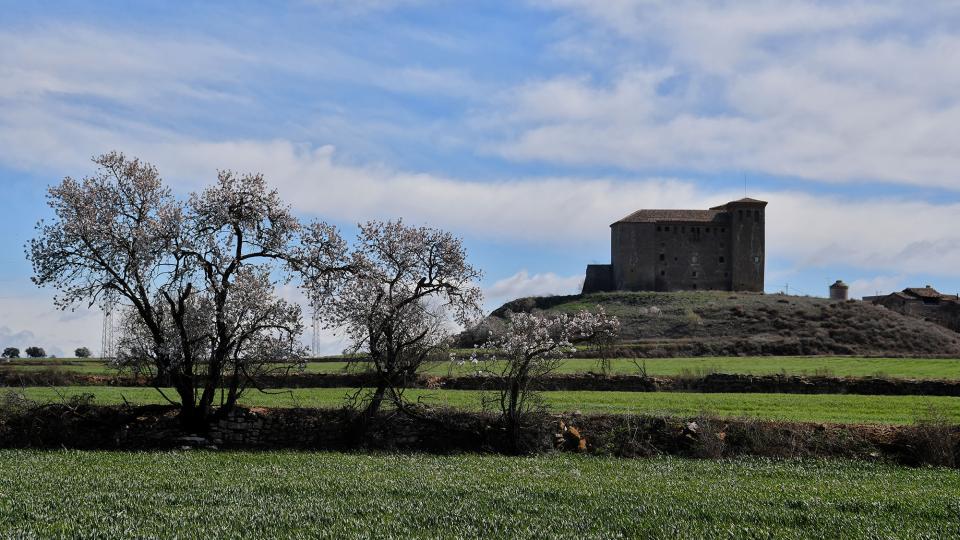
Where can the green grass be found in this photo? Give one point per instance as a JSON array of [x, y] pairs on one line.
[[916, 368], [832, 408], [913, 368], [330, 495]]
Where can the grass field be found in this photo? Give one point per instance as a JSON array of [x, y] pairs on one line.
[[917, 368], [834, 408], [330, 495]]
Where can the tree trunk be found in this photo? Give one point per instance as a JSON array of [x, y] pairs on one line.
[[376, 400], [193, 415]]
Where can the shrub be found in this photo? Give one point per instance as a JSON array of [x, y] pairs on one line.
[[82, 352], [11, 352], [36, 352]]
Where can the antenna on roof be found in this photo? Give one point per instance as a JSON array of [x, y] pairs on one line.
[[744, 185]]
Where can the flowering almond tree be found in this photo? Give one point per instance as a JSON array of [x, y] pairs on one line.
[[194, 278], [530, 347], [405, 285]]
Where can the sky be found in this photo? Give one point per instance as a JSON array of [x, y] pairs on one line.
[[526, 127]]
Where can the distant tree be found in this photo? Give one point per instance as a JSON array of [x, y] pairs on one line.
[[11, 352], [530, 347], [405, 285], [196, 279], [82, 352], [36, 352]]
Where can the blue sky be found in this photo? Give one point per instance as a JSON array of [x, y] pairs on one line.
[[526, 127]]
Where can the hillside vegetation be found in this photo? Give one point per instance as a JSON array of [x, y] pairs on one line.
[[720, 323]]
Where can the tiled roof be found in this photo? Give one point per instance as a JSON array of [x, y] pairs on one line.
[[654, 216]]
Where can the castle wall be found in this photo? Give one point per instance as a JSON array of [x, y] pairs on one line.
[[631, 254], [691, 256], [599, 278]]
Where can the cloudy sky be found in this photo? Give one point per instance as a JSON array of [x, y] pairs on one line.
[[526, 127]]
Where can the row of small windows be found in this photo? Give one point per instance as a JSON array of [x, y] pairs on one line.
[[683, 229], [756, 215], [663, 257], [664, 272]]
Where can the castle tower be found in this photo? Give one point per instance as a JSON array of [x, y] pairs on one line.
[[679, 250], [747, 252]]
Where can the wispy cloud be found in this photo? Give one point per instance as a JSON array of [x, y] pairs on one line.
[[824, 91]]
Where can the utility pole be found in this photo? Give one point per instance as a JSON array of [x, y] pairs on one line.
[[315, 344], [107, 337]]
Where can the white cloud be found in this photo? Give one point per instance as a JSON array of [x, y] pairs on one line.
[[75, 61], [876, 285], [825, 91], [30, 320], [523, 284]]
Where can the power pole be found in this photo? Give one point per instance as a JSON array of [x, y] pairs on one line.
[[315, 344], [107, 338]]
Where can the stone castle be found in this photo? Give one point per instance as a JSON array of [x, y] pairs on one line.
[[674, 250]]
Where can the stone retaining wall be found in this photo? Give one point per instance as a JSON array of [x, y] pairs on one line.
[[717, 382], [445, 431]]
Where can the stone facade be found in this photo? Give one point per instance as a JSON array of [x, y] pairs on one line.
[[669, 250], [924, 303]]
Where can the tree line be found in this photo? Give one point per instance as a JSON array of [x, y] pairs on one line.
[[40, 352]]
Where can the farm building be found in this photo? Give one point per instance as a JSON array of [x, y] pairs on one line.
[[926, 303]]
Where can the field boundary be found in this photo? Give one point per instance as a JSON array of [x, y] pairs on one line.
[[442, 431], [710, 383]]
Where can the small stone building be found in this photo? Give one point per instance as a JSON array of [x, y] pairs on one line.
[[669, 250], [926, 303], [839, 290]]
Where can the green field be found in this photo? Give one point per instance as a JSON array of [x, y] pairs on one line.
[[330, 495], [834, 408], [916, 368], [912, 368]]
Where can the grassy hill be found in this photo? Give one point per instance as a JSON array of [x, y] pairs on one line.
[[698, 323]]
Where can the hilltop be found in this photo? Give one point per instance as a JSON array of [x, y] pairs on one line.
[[695, 323]]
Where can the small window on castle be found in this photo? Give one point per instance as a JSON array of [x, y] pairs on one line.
[[723, 230], [725, 274], [674, 259], [662, 257], [683, 229], [694, 286], [694, 273], [667, 228], [756, 216], [663, 273], [658, 228], [708, 230], [740, 215], [721, 258]]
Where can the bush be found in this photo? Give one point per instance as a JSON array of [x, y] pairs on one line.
[[36, 352], [82, 352], [11, 352]]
